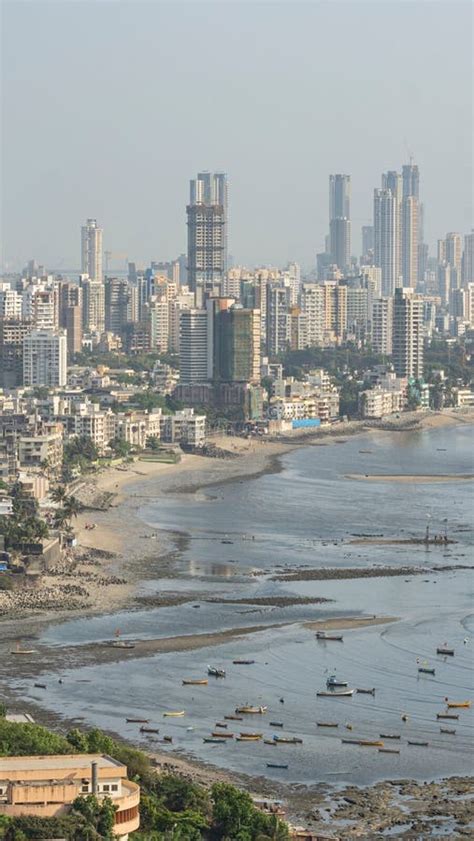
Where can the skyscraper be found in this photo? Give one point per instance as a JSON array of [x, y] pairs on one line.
[[387, 238], [382, 325], [407, 333], [367, 239], [410, 223], [236, 345], [45, 358], [411, 181], [93, 305], [195, 354], [340, 220], [468, 259], [207, 230], [91, 250]]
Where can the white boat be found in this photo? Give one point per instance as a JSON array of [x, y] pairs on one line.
[[336, 693], [333, 682], [323, 635], [215, 672]]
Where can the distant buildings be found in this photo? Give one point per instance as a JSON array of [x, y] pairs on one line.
[[387, 238], [340, 220], [207, 232], [91, 250]]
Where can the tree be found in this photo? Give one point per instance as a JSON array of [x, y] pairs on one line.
[[58, 494], [235, 817], [72, 507], [98, 815], [120, 447]]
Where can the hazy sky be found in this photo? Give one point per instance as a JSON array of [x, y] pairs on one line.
[[111, 107]]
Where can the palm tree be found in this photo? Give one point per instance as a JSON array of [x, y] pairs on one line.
[[58, 494], [72, 507]]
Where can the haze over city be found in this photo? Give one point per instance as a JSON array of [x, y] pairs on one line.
[[109, 109]]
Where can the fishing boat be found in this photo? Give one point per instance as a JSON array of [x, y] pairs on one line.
[[222, 735], [424, 671], [287, 740], [248, 737], [21, 651], [227, 541], [215, 741], [269, 742], [251, 710], [326, 724], [418, 744], [40, 685], [190, 682], [447, 730], [123, 644], [365, 743], [233, 718], [322, 635], [177, 714], [447, 715], [449, 652], [455, 705], [365, 451], [389, 750], [366, 691], [215, 672], [275, 765], [167, 739], [220, 724], [149, 730], [276, 724], [336, 693], [137, 720], [389, 735], [333, 682], [243, 662]]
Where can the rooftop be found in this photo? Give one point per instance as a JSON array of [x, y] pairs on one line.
[[68, 761]]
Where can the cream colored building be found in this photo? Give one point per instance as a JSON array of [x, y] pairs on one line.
[[46, 787]]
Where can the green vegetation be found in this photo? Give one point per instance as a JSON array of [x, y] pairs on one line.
[[24, 525], [77, 455], [136, 362], [172, 808]]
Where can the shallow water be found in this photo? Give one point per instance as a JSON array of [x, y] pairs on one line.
[[305, 515]]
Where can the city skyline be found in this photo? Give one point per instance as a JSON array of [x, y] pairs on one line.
[[137, 185]]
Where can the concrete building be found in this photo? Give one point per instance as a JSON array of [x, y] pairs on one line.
[[117, 303], [45, 359], [183, 427], [339, 196], [43, 446], [312, 305], [410, 230], [90, 421], [91, 250], [382, 326], [137, 428], [387, 239], [46, 787], [367, 240], [278, 320], [340, 220], [236, 345], [194, 351], [207, 230], [468, 259], [70, 315], [10, 302], [376, 402], [12, 334], [93, 305], [159, 317], [408, 333], [40, 304], [335, 308]]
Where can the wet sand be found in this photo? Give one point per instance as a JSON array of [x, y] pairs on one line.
[[411, 480]]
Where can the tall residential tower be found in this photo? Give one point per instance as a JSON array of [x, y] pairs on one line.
[[207, 230], [91, 250]]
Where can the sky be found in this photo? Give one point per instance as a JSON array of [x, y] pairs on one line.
[[109, 108]]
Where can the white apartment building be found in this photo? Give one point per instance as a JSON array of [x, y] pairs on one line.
[[375, 403], [408, 333], [313, 306], [91, 250], [159, 314], [45, 359], [382, 325], [136, 428], [92, 422], [10, 302], [40, 304], [193, 346], [184, 427]]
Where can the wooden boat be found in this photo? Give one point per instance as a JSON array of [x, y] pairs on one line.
[[389, 750], [269, 742], [334, 682], [251, 735], [215, 741], [458, 705], [233, 718], [336, 693], [251, 710], [365, 451], [137, 720], [366, 691], [418, 744], [322, 635], [276, 724], [366, 743], [243, 662], [21, 651], [426, 671], [326, 724], [215, 672], [222, 735], [123, 644], [167, 738], [149, 730], [221, 724], [389, 736], [287, 740], [447, 715], [248, 738], [275, 765], [227, 541], [177, 714], [203, 682], [447, 730], [40, 685], [449, 652]]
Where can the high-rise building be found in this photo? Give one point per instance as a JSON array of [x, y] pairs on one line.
[[387, 238], [312, 305], [93, 305], [450, 250], [277, 319], [236, 345], [382, 325], [12, 334], [411, 180], [10, 302], [91, 250], [339, 220], [410, 223], [195, 353], [45, 358], [444, 283], [468, 259], [407, 333], [207, 230], [117, 303], [41, 305], [367, 239], [339, 197], [335, 308]]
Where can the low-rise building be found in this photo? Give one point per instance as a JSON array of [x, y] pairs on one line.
[[42, 447], [184, 427], [46, 786], [136, 428], [377, 402]]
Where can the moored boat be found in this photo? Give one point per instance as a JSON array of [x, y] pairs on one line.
[[389, 750], [149, 730], [222, 735], [336, 693], [191, 682], [366, 691], [424, 671], [334, 682], [366, 743], [243, 662], [447, 715], [458, 705], [449, 652], [247, 710], [215, 741], [215, 672], [21, 651], [287, 740], [390, 736], [40, 685], [249, 737], [322, 635], [326, 724], [221, 724], [233, 717], [418, 744], [168, 739], [177, 714], [137, 720], [275, 723], [276, 765], [451, 732]]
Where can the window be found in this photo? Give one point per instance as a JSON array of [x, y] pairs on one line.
[[114, 787], [106, 787]]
